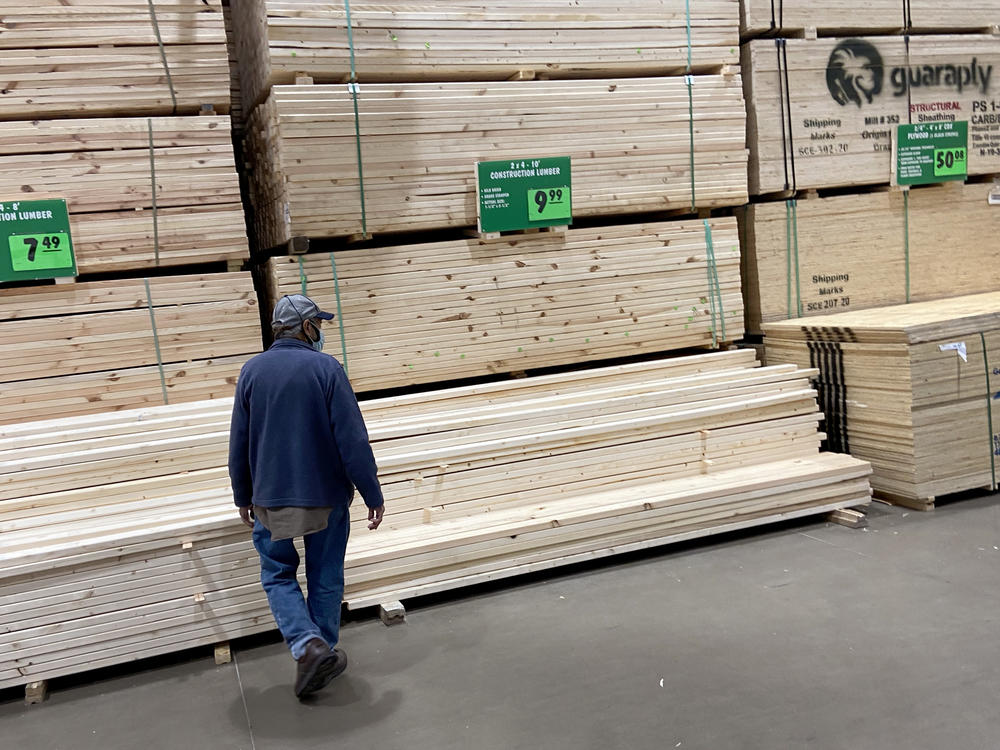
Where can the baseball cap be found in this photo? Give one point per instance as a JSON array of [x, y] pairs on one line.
[[293, 310]]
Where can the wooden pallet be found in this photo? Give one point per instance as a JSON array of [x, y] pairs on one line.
[[447, 310], [481, 482], [911, 388], [629, 141], [82, 348], [888, 248], [433, 40], [104, 169], [79, 58], [801, 137]]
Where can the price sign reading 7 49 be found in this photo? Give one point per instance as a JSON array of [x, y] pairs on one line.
[[35, 240]]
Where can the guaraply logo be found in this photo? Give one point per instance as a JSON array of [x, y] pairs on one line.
[[856, 73], [855, 70]]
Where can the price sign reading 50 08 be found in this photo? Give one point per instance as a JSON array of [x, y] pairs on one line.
[[950, 161]]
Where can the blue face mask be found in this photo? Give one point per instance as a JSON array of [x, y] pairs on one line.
[[318, 343]]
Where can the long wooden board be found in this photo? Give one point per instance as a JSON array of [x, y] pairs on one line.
[[630, 141], [910, 388], [121, 218], [447, 310], [482, 482], [824, 112], [82, 348], [826, 255], [433, 40]]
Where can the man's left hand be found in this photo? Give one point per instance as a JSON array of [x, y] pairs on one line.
[[247, 515]]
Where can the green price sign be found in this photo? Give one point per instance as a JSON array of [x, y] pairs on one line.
[[951, 161], [549, 203], [932, 152], [524, 193], [35, 241]]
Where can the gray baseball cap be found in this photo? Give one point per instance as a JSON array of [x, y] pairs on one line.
[[293, 310]]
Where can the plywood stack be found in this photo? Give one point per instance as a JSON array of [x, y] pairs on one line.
[[420, 143], [852, 16], [87, 348], [95, 574], [430, 312], [911, 388], [802, 136], [433, 40], [826, 255]]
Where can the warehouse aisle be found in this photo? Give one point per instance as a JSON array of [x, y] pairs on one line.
[[811, 635]]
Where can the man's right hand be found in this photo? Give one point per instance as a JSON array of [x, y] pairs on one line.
[[375, 516]]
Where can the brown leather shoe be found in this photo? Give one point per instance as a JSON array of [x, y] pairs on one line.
[[317, 666]]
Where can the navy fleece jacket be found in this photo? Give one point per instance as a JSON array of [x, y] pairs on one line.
[[297, 436]]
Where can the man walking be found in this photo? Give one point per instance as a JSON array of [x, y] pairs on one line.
[[298, 447]]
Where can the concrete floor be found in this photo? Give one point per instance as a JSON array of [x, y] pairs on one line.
[[810, 635]]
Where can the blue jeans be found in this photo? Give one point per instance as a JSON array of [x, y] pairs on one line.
[[300, 620]]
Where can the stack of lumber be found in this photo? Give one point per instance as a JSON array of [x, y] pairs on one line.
[[629, 141], [481, 483], [121, 218], [801, 136], [448, 40], [911, 388], [70, 58], [236, 113], [84, 348], [431, 312], [826, 255], [853, 16]]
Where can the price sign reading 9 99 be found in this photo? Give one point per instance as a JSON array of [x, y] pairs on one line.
[[549, 203], [35, 240]]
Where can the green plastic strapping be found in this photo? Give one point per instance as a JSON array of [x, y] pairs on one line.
[[340, 314], [156, 341], [303, 281], [163, 55], [906, 240], [355, 89], [792, 256], [690, 82], [152, 180], [687, 17], [989, 413], [714, 288]]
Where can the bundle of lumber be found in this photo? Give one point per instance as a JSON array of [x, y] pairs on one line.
[[630, 142], [435, 40], [67, 58], [141, 192], [824, 112], [108, 345], [888, 251], [872, 16], [431, 312], [481, 483], [910, 388]]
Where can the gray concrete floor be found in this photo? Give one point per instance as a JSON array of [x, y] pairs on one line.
[[810, 635]]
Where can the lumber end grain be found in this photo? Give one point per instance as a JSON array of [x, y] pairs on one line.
[[852, 519], [223, 654], [36, 692]]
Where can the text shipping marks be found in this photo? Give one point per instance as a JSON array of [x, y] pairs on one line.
[[35, 241]]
